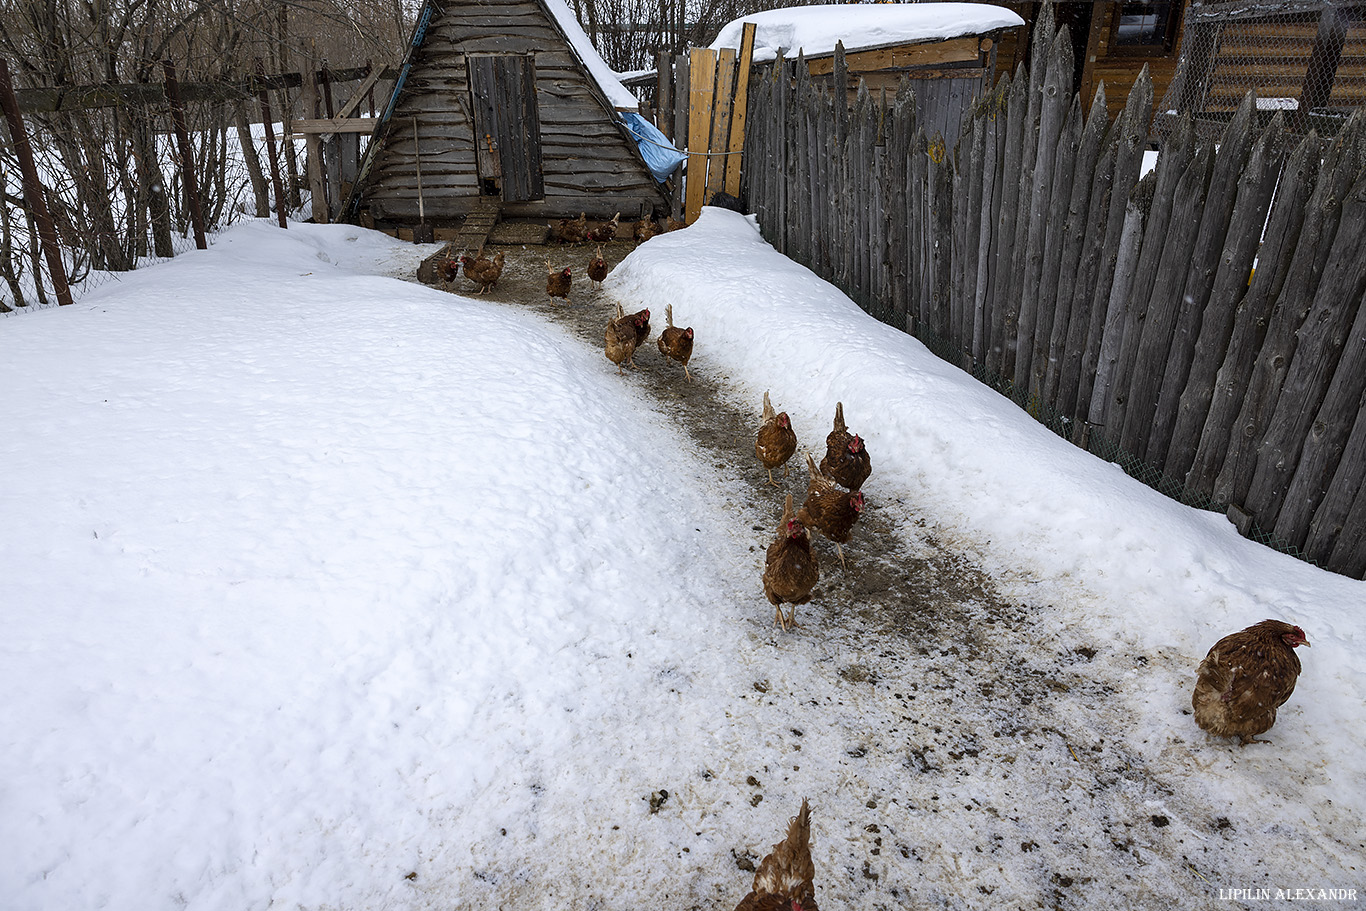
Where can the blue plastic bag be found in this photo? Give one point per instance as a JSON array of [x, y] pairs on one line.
[[655, 147]]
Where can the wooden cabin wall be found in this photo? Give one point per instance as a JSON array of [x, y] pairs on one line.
[[587, 163], [1120, 72]]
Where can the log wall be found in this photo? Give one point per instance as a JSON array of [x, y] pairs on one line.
[[588, 162]]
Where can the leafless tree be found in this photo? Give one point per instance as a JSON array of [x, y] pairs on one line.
[[110, 174]]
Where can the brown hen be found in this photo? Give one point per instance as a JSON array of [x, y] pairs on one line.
[[604, 231], [620, 338], [597, 269], [1245, 677], [776, 440], [785, 880], [448, 270], [829, 509], [644, 230], [791, 568], [483, 271], [846, 458], [676, 343], [570, 230], [557, 283]]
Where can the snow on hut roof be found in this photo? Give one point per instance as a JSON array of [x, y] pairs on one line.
[[619, 95], [815, 29]]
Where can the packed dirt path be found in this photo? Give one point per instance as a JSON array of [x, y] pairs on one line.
[[988, 760]]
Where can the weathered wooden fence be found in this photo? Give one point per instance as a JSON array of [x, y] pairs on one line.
[[1201, 324], [98, 199]]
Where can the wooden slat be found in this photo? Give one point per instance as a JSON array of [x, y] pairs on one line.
[[1297, 294], [335, 125], [702, 71], [735, 160], [720, 124]]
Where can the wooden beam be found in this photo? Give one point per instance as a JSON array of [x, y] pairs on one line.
[[956, 50], [737, 123], [701, 94], [138, 94], [324, 127]]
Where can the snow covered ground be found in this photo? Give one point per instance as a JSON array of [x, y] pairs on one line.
[[323, 589]]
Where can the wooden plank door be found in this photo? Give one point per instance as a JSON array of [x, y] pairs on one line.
[[507, 125]]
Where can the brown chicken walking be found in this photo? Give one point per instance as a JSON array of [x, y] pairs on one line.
[[791, 569], [1246, 676], [829, 509], [597, 269], [776, 440], [557, 284], [620, 337], [676, 343], [786, 878], [846, 458]]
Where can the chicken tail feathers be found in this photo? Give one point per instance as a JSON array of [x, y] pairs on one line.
[[839, 418], [669, 315], [788, 870], [769, 413]]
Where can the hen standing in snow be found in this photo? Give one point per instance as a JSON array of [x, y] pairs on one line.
[[674, 342], [846, 458], [828, 509], [785, 880], [776, 440], [1245, 678], [791, 568]]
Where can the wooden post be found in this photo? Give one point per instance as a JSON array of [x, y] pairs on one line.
[[1323, 64], [182, 137], [664, 100], [741, 111], [266, 121], [313, 148], [681, 94], [701, 94], [33, 190], [370, 86], [331, 145]]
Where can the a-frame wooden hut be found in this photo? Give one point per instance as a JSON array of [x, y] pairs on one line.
[[501, 103]]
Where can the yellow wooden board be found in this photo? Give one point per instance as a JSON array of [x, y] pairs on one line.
[[701, 93]]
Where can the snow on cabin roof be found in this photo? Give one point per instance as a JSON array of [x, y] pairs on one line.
[[619, 95], [815, 29]]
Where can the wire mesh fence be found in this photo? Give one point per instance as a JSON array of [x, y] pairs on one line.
[[1306, 58]]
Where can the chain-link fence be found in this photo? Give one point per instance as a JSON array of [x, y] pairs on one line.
[[1305, 58]]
